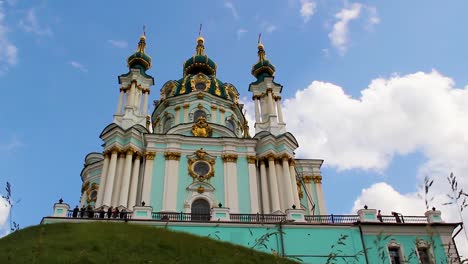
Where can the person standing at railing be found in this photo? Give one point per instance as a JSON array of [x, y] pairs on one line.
[[379, 216], [82, 211], [101, 213], [75, 211], [116, 213], [109, 212]]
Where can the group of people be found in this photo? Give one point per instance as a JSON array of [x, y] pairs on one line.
[[90, 212]]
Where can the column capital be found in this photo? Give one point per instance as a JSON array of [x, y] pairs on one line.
[[292, 162], [277, 97], [172, 155], [130, 151], [222, 110], [149, 155], [269, 90], [137, 155], [307, 179], [270, 157], [122, 155], [229, 157], [317, 179], [285, 157], [115, 150], [177, 108], [251, 159], [214, 107], [277, 160], [186, 105]]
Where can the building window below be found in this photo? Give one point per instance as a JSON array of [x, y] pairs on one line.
[[394, 255]]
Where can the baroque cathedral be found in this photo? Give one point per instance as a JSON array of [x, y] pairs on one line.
[[192, 166], [194, 151]]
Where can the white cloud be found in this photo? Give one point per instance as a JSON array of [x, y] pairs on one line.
[[241, 32], [229, 5], [307, 9], [270, 28], [78, 66], [4, 212], [12, 145], [118, 43], [374, 18], [339, 34], [30, 24], [8, 51]]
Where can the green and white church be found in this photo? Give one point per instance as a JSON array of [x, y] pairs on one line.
[[192, 166]]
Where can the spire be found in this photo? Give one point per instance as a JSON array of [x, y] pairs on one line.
[[140, 58], [200, 46], [263, 67]]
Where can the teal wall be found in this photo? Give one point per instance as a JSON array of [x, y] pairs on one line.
[[243, 186], [184, 181], [157, 183], [218, 180], [197, 147]]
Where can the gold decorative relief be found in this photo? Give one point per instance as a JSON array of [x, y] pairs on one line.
[[200, 83], [172, 155], [91, 193], [201, 165], [229, 157], [201, 128]]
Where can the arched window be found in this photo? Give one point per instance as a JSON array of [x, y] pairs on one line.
[[231, 125], [168, 124], [200, 210], [198, 114]]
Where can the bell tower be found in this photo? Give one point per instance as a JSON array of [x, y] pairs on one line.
[[132, 108], [266, 96]]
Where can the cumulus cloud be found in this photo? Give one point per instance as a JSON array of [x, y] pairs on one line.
[[118, 43], [78, 66], [339, 34], [374, 18], [229, 5], [8, 51], [270, 28], [30, 24], [11, 145], [307, 9]]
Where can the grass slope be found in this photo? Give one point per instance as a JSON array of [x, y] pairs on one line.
[[120, 243]]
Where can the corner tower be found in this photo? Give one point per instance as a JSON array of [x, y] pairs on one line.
[[266, 96], [132, 108]]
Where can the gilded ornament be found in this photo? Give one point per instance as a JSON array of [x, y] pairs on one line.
[[200, 95], [229, 157], [214, 107], [251, 159], [307, 179], [270, 157], [91, 193], [204, 161], [177, 108], [200, 78], [85, 186], [200, 189], [149, 155], [201, 128], [317, 179], [172, 155], [186, 105], [222, 110], [200, 106]]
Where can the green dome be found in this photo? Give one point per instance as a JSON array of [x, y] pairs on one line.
[[140, 58], [263, 67], [193, 82], [200, 61]]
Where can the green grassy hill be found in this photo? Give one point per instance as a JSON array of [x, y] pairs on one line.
[[120, 243]]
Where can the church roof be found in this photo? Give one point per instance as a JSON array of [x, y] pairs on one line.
[[140, 58], [263, 68]]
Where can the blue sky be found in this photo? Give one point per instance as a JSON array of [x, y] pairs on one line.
[[377, 89]]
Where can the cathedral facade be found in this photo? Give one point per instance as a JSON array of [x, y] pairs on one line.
[[191, 165]]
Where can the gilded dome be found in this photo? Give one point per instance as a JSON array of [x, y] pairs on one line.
[[200, 61], [140, 58], [263, 67]]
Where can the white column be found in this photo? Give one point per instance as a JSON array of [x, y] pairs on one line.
[[130, 96], [137, 102], [145, 103], [278, 109], [171, 181], [119, 106], [271, 109], [275, 202], [221, 115], [102, 181], [318, 187], [292, 174], [288, 185], [147, 178], [214, 114], [231, 184], [186, 106], [253, 185], [257, 110], [118, 180], [134, 182], [281, 185], [124, 188], [110, 178], [177, 115], [265, 192]]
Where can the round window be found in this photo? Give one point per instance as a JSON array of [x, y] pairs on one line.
[[200, 86], [93, 195], [198, 114], [201, 168]]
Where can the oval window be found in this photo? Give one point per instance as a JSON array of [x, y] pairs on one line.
[[201, 168], [200, 86], [198, 114]]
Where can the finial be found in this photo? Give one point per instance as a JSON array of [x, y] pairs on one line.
[[142, 43], [261, 50], [200, 40]]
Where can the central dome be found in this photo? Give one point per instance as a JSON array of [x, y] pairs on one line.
[[200, 63]]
